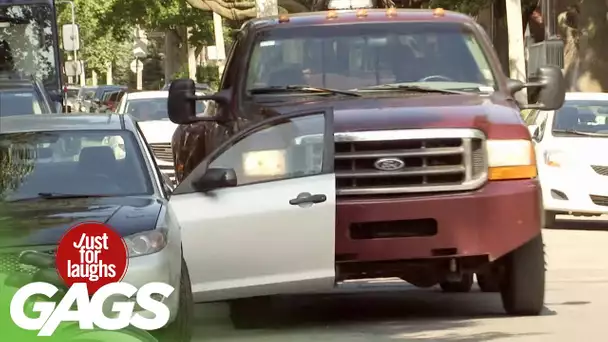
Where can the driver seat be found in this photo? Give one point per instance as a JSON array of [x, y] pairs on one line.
[[97, 160], [567, 118]]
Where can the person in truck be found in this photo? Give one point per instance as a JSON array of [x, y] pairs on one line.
[[401, 153]]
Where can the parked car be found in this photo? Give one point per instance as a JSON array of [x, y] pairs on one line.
[[19, 96], [200, 87], [85, 99], [102, 94], [572, 166], [72, 168], [361, 144], [149, 108]]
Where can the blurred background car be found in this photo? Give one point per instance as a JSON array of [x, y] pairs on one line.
[[570, 150], [23, 96], [71, 97], [149, 108]]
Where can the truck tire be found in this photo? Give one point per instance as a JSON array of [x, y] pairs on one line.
[[464, 285], [252, 313], [488, 282], [523, 287], [180, 330], [549, 219]]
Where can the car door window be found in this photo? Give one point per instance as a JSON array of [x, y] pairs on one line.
[[293, 148], [541, 122], [531, 118]]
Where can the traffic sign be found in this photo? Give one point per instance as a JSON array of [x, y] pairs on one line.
[[136, 64]]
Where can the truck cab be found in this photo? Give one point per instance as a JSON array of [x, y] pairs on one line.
[[361, 144]]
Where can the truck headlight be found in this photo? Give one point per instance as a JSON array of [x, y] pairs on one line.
[[146, 243], [555, 158], [511, 159]]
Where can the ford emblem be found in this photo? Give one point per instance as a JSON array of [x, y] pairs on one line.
[[389, 164]]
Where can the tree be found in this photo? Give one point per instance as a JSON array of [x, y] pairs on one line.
[[99, 48]]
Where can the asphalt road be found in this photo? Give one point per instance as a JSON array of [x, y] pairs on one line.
[[391, 310]]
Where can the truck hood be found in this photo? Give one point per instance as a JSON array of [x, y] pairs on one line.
[[43, 222], [497, 116], [158, 131]]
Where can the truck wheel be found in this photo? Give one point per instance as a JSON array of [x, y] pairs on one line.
[[180, 330], [464, 285], [252, 313], [488, 282], [523, 287], [549, 219]]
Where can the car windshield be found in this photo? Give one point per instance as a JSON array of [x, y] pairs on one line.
[[581, 116], [153, 108], [438, 55], [71, 162], [26, 41], [20, 102]]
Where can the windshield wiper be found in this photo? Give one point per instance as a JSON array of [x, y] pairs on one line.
[[573, 131], [301, 88], [413, 88]]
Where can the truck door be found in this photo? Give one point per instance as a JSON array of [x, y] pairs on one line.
[[274, 231]]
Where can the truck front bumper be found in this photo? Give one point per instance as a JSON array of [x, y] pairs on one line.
[[492, 221]]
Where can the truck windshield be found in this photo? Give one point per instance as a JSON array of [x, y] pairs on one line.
[[355, 56], [26, 41]]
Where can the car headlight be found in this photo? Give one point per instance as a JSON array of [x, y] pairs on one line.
[[511, 159], [555, 158], [146, 243]]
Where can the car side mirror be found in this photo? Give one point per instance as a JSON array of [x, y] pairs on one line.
[[182, 102], [215, 179], [534, 131], [547, 88]]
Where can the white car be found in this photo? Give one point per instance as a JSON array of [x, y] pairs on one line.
[[572, 162], [149, 108]]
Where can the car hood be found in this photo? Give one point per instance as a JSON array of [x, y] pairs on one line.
[[495, 115], [43, 222], [589, 150], [158, 131]]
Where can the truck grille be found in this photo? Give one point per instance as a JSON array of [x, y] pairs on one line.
[[409, 161], [162, 151], [601, 170]]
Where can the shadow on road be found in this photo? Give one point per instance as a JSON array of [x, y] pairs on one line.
[[402, 313], [573, 223]]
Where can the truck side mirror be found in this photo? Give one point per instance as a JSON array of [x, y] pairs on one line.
[[182, 102], [548, 89]]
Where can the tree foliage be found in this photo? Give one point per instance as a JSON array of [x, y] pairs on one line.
[[157, 15], [98, 48]]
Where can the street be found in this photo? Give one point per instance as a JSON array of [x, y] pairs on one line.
[[391, 310]]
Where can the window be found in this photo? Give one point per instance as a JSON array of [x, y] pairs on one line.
[[364, 55], [72, 162], [20, 102], [286, 150], [587, 116]]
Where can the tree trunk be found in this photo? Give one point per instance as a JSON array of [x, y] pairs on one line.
[[593, 46]]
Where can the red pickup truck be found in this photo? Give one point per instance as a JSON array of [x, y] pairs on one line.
[[361, 144]]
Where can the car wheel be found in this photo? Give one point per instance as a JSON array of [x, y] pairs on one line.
[[523, 287], [180, 330], [252, 313], [549, 219], [464, 285], [488, 282]]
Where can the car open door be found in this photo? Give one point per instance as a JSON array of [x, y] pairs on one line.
[[274, 231]]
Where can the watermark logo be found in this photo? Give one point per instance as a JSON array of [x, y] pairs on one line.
[[91, 259]]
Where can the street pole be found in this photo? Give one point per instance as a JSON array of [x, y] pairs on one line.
[[220, 49], [73, 32], [517, 57]]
